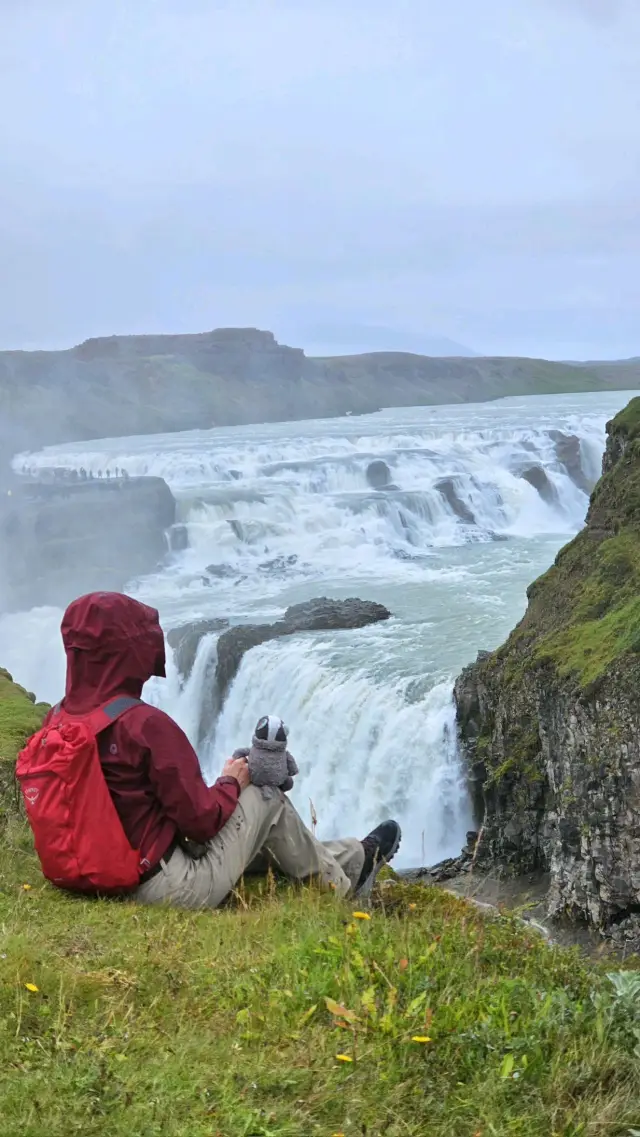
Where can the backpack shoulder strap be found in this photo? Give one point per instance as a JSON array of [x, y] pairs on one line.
[[105, 716]]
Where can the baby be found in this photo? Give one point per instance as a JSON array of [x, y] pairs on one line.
[[270, 763]]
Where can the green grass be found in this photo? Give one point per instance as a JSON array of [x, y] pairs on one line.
[[20, 716], [628, 419], [134, 1022], [230, 1023]]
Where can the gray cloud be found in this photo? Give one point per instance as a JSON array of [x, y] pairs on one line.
[[464, 170], [601, 12]]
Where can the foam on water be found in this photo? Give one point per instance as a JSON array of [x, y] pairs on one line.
[[285, 511]]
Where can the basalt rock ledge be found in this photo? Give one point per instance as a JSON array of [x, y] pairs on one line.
[[318, 614], [550, 723]]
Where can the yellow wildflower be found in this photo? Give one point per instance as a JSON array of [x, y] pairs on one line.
[[361, 915], [412, 907], [31, 987], [27, 887], [421, 1038], [343, 1058]]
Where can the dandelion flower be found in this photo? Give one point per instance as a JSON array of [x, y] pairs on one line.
[[27, 887], [361, 915], [343, 1058], [32, 987], [421, 1038], [412, 907]]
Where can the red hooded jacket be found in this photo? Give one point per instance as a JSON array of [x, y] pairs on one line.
[[113, 645]]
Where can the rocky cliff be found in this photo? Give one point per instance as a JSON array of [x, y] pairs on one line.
[[550, 723], [145, 384], [60, 539]]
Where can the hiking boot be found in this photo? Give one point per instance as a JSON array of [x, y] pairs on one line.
[[379, 847]]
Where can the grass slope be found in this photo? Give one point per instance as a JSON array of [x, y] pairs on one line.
[[20, 716], [289, 1014]]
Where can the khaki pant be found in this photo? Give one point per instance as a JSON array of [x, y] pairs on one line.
[[260, 831]]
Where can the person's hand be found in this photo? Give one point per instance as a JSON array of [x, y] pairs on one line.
[[237, 768]]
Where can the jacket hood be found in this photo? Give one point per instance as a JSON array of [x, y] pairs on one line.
[[114, 644]]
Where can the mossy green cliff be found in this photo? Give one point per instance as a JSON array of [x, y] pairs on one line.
[[550, 723]]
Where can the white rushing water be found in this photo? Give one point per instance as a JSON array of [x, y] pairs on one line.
[[284, 512]]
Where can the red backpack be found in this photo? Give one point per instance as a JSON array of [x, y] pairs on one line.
[[78, 835]]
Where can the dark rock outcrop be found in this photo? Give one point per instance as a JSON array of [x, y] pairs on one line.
[[178, 538], [59, 539], [569, 455], [550, 723], [313, 615], [447, 487], [539, 479], [184, 641], [447, 869], [320, 614], [279, 564], [222, 571], [379, 475]]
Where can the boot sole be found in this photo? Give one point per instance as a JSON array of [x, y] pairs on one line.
[[366, 887]]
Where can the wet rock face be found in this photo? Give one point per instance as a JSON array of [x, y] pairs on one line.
[[185, 640], [379, 475], [550, 723], [568, 453], [60, 539], [539, 479], [313, 615], [320, 614], [178, 538], [570, 803], [447, 487]]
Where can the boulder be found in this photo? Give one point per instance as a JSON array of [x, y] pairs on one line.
[[222, 571], [539, 479], [447, 487], [279, 564], [178, 538], [379, 475], [321, 614], [61, 538]]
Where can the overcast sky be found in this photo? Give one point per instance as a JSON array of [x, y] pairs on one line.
[[459, 168]]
